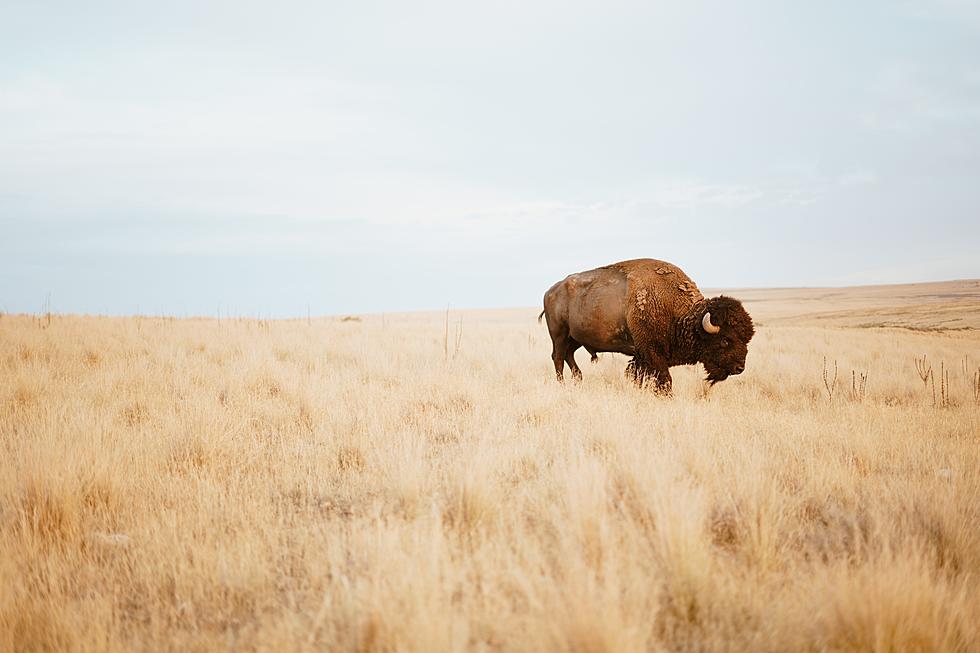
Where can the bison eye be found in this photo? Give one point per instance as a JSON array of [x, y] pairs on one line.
[[724, 342]]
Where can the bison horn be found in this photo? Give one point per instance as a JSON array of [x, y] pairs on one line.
[[708, 326]]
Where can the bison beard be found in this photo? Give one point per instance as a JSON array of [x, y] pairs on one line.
[[649, 310]]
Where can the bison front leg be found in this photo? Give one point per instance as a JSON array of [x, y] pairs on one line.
[[636, 371], [654, 371], [663, 384]]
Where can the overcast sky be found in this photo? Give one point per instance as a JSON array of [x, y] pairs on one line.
[[259, 158]]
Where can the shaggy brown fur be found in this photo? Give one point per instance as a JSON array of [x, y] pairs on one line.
[[650, 310]]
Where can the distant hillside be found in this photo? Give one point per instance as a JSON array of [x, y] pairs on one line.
[[945, 305]]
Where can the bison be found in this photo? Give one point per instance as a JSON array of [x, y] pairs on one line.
[[652, 311]]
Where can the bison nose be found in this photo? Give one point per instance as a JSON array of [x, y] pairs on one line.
[[740, 368]]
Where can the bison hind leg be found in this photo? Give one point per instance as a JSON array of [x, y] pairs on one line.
[[558, 358], [570, 359]]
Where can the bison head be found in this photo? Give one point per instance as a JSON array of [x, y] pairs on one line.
[[725, 331]]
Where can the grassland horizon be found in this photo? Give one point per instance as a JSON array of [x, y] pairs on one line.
[[420, 482]]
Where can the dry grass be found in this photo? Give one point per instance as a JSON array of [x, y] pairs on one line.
[[341, 485]]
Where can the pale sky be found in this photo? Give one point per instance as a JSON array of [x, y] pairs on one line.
[[260, 158]]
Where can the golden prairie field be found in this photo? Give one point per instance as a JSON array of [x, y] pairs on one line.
[[377, 485]]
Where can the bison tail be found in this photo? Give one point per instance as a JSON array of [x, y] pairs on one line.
[[541, 316]]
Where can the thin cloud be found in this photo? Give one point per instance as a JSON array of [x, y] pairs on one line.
[[539, 140]]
